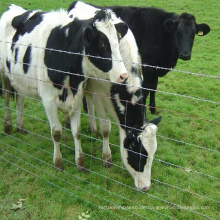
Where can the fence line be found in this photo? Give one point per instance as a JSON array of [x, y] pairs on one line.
[[118, 124], [102, 161], [78, 178], [118, 166], [170, 203], [103, 80], [53, 184], [156, 159], [98, 57], [144, 105]]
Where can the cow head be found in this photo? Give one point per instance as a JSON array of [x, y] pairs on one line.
[[138, 152], [101, 40], [184, 29]]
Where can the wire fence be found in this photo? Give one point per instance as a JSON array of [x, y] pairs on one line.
[[20, 152]]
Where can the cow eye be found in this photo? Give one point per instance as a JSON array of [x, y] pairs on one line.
[[103, 45]]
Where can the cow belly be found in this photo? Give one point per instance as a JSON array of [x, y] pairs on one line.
[[24, 84], [71, 103]]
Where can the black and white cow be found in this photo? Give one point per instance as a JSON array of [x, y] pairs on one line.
[[33, 69], [137, 136], [162, 37]]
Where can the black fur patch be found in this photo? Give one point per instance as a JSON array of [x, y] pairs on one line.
[[102, 15], [27, 59], [134, 115], [100, 48], [66, 64], [16, 55], [23, 26], [137, 155], [8, 64], [63, 97]]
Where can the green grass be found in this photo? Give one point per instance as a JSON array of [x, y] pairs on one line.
[[65, 195]]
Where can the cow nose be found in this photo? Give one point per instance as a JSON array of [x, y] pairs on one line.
[[146, 188], [185, 56], [122, 77]]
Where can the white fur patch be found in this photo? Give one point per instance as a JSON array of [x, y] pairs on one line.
[[121, 107]]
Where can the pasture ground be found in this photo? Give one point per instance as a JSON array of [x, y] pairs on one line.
[[184, 173]]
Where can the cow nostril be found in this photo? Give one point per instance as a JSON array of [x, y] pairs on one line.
[[185, 56], [123, 77], [146, 188]]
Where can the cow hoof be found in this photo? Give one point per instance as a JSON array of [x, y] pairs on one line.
[[58, 165], [108, 163], [8, 128], [22, 130], [82, 169]]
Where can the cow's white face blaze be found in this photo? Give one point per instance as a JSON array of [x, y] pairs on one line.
[[137, 155]]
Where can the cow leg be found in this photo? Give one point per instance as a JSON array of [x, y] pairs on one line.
[[75, 128], [152, 104], [7, 93], [91, 114], [7, 115], [105, 127], [56, 131], [19, 111]]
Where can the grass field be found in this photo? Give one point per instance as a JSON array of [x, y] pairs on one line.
[[185, 172]]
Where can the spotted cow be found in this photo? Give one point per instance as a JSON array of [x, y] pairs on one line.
[[43, 54], [138, 142]]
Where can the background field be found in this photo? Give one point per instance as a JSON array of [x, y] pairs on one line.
[[185, 173]]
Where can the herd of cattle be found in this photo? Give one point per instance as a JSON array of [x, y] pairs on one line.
[[58, 55]]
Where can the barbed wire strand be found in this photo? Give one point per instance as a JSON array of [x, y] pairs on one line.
[[118, 124], [54, 185], [76, 177], [156, 159], [115, 180], [118, 166], [170, 203], [104, 80], [98, 57]]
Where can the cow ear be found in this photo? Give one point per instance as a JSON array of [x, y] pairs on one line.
[[122, 29], [170, 25], [88, 36], [156, 121], [202, 29]]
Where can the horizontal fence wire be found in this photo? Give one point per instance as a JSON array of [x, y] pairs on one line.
[[111, 144], [117, 166], [90, 77], [78, 178], [93, 157], [155, 158], [53, 184], [155, 197], [118, 124], [99, 57]]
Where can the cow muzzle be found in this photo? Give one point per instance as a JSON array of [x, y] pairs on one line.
[[123, 77], [185, 56], [145, 188]]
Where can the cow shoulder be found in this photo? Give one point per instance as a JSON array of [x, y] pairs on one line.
[[60, 58]]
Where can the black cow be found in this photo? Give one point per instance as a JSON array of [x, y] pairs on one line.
[[162, 37]]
